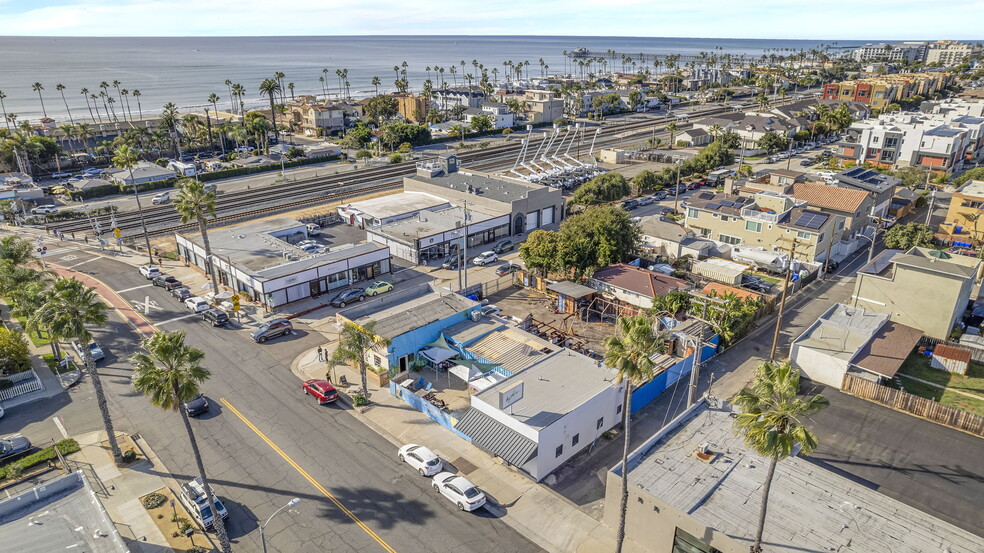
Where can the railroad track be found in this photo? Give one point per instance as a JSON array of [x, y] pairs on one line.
[[311, 191]]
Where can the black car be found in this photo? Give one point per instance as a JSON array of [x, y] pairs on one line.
[[630, 205], [271, 329], [167, 282], [505, 269], [187, 158], [503, 246], [348, 296], [450, 263], [196, 406], [181, 293], [215, 316], [13, 447]]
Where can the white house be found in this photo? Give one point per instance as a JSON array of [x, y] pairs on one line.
[[499, 114], [546, 413], [143, 172]]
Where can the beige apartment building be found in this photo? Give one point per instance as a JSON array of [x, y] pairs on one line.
[[897, 283], [764, 220], [543, 106], [963, 216]]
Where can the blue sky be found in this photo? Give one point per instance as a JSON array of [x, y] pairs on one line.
[[829, 20]]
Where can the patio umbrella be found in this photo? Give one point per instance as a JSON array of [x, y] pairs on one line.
[[224, 295]]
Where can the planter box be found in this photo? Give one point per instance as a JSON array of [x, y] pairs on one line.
[[380, 380]]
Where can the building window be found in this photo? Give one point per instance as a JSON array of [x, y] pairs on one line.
[[692, 213], [575, 439], [804, 235], [600, 423], [377, 360], [753, 226], [618, 410], [733, 240], [685, 543], [559, 451]]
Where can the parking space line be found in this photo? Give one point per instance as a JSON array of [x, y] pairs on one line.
[[178, 318], [83, 262], [134, 288], [310, 479]]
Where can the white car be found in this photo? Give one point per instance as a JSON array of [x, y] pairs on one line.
[[61, 175], [196, 304], [161, 198], [304, 243], [826, 174], [485, 258], [44, 210], [460, 491], [150, 271], [422, 459]]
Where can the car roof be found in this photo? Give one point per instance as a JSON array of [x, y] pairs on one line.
[[460, 482], [424, 452]]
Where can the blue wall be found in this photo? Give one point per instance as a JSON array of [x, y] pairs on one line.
[[413, 341], [645, 394], [425, 407]]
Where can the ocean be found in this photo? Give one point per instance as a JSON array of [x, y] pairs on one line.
[[186, 71]]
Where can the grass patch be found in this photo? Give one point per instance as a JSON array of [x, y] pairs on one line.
[[55, 367], [15, 468], [918, 366]]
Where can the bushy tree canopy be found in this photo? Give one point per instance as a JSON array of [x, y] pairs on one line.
[[603, 188], [909, 235]]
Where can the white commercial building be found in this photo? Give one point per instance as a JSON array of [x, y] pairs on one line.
[[950, 53], [389, 209], [904, 51]]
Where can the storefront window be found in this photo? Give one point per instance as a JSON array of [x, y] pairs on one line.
[[685, 543]]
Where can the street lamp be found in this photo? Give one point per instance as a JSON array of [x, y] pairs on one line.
[[289, 504]]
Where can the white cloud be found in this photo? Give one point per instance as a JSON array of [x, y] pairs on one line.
[[835, 19]]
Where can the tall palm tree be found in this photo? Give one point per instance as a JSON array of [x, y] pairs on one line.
[[213, 98], [239, 91], [279, 77], [232, 105], [771, 422], [95, 101], [136, 94], [270, 87], [672, 129], [61, 89], [376, 82], [126, 96], [116, 85], [3, 110], [126, 158], [193, 203], [290, 86], [85, 94], [37, 87], [70, 307], [354, 344], [629, 352], [171, 374]]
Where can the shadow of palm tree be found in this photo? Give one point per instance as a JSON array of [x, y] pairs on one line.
[[382, 508]]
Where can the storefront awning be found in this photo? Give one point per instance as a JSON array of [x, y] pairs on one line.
[[496, 438]]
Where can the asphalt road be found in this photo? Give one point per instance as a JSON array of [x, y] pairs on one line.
[[350, 461]]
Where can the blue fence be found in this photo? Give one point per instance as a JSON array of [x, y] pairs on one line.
[[645, 394], [425, 407]]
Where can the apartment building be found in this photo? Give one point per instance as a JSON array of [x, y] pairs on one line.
[[944, 139], [315, 117], [498, 113], [962, 223], [949, 52], [766, 220], [544, 107], [897, 282], [885, 89], [904, 51], [412, 107]]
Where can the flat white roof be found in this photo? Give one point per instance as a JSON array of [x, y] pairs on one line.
[[397, 204]]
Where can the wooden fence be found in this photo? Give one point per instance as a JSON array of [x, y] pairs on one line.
[[919, 406], [976, 352]]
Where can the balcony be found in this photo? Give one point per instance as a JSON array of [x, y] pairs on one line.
[[764, 216]]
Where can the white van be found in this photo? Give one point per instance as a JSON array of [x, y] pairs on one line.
[[313, 229]]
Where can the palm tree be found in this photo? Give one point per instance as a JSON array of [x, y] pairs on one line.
[[213, 98], [290, 86], [672, 129], [136, 94], [271, 87], [232, 106], [126, 96], [771, 422], [354, 344], [116, 85], [37, 87], [376, 82], [279, 76], [715, 131], [94, 99], [70, 307], [170, 374], [629, 352], [3, 110], [126, 158], [193, 203], [61, 89], [457, 130]]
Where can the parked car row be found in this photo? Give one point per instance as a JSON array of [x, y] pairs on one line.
[[180, 292], [457, 489], [800, 149]]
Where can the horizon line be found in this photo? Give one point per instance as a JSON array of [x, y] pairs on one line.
[[413, 35]]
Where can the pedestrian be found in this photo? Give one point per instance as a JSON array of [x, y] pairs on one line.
[[328, 377], [160, 261], [47, 230], [321, 354], [86, 239], [73, 236]]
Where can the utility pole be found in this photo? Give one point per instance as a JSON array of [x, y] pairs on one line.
[[676, 191], [464, 245], [794, 244], [932, 203]]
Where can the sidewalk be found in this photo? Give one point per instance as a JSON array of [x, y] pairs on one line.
[[540, 514]]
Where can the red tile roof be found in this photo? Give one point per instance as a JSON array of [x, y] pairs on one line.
[[828, 196], [947, 351], [722, 289], [640, 281]]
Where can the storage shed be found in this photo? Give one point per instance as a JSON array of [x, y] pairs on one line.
[[952, 359], [720, 270], [569, 293]]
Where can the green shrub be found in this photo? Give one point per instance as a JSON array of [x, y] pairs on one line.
[[153, 500], [129, 456], [39, 457], [359, 400]]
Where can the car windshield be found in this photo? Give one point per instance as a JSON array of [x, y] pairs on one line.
[[5, 446], [206, 512], [431, 462], [472, 492]]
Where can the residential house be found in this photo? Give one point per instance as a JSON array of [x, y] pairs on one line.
[[695, 486], [852, 206], [766, 220], [141, 173], [498, 113], [446, 99], [634, 285], [852, 340], [663, 237], [692, 138], [896, 283], [753, 126], [962, 223], [879, 186], [315, 117], [544, 106]]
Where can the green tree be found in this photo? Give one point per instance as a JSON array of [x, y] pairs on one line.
[[193, 203], [457, 130], [381, 108], [363, 154], [771, 423], [70, 307], [358, 136], [635, 98], [481, 123], [126, 158], [672, 129], [15, 356], [354, 344], [912, 176], [170, 374], [597, 237], [646, 180], [908, 235], [675, 302], [18, 252], [608, 187], [629, 352], [976, 173], [540, 251], [396, 158], [772, 141], [271, 88]]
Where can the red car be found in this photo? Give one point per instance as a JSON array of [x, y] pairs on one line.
[[320, 389]]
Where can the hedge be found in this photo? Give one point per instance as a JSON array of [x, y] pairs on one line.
[[39, 457]]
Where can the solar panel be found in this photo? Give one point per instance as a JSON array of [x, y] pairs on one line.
[[727, 204], [741, 200], [855, 171], [713, 207], [706, 196], [811, 219]]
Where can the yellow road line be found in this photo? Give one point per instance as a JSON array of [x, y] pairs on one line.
[[310, 479]]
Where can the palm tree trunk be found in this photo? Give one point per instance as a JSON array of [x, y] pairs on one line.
[[362, 373], [757, 546], [143, 223], [209, 262], [219, 524], [114, 446], [623, 505]]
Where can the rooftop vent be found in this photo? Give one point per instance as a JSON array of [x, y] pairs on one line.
[[704, 453]]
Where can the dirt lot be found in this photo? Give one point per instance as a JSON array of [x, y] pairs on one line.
[[522, 302]]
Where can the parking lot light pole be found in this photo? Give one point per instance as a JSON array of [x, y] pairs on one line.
[[289, 504]]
